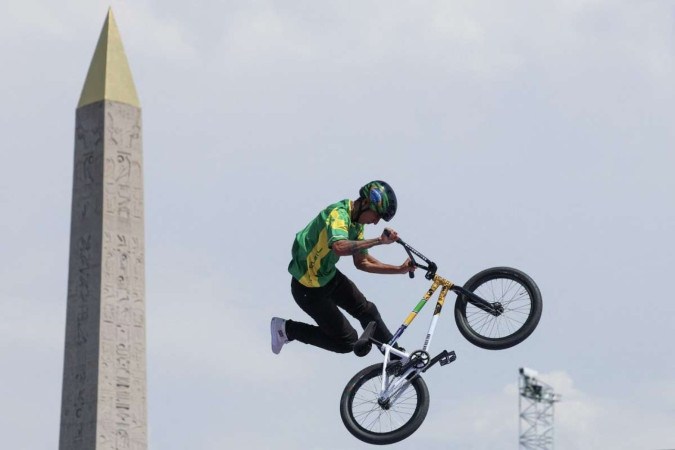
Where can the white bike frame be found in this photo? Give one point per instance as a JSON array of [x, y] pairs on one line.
[[391, 391]]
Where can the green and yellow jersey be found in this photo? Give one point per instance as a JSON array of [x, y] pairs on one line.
[[313, 261]]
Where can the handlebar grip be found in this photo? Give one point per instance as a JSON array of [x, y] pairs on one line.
[[387, 233]]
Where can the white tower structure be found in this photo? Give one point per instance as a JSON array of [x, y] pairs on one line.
[[536, 403]]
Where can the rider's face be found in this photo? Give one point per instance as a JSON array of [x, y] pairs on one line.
[[369, 216]]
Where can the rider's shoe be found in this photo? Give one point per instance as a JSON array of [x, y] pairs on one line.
[[279, 337]]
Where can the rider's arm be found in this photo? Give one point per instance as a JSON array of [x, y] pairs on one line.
[[345, 247], [369, 263]]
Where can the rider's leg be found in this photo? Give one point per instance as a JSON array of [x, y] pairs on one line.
[[334, 332], [348, 297]]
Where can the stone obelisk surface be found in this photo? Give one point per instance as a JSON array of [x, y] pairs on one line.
[[104, 378]]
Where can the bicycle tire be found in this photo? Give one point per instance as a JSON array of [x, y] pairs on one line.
[[519, 295], [353, 419]]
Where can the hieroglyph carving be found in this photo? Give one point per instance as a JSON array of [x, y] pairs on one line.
[[79, 400], [104, 394]]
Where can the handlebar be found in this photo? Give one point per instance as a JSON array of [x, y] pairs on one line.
[[430, 267]]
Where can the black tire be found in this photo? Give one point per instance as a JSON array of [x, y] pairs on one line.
[[359, 402], [518, 294]]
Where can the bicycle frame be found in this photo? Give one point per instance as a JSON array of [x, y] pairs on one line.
[[398, 402], [391, 392], [437, 282], [411, 368], [389, 349]]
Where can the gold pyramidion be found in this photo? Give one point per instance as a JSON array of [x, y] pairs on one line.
[[109, 76]]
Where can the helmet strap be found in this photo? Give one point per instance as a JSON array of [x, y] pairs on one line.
[[362, 208]]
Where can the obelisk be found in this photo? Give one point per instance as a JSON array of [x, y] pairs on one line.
[[104, 401]]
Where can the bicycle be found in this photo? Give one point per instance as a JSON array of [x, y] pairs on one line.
[[386, 403]]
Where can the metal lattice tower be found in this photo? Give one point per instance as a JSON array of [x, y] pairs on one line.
[[536, 403]]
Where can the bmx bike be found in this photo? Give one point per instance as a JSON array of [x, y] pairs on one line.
[[496, 309]]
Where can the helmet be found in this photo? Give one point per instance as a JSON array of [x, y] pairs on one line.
[[382, 198]]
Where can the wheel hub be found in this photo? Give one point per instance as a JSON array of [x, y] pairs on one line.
[[384, 403]]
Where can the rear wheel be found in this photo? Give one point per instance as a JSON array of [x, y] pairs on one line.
[[376, 422], [514, 294]]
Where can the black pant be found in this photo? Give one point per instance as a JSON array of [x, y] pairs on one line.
[[334, 332]]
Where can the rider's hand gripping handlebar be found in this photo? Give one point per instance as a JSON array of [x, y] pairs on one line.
[[430, 268]]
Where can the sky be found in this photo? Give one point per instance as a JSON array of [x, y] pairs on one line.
[[530, 134]]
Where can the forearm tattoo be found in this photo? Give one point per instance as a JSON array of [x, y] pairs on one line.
[[356, 246]]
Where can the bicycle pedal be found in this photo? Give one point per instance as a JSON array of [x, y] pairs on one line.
[[447, 357], [444, 357]]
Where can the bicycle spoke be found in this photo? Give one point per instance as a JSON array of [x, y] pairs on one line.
[[368, 413], [515, 301], [375, 420]]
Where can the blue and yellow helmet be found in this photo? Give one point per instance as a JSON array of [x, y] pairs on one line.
[[382, 198]]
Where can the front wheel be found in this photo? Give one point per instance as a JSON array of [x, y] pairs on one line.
[[382, 421], [518, 301]]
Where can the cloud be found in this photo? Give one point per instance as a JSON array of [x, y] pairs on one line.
[[630, 419], [201, 325], [31, 17], [31, 349], [478, 38], [155, 36], [531, 132], [144, 31], [31, 323], [581, 420]]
